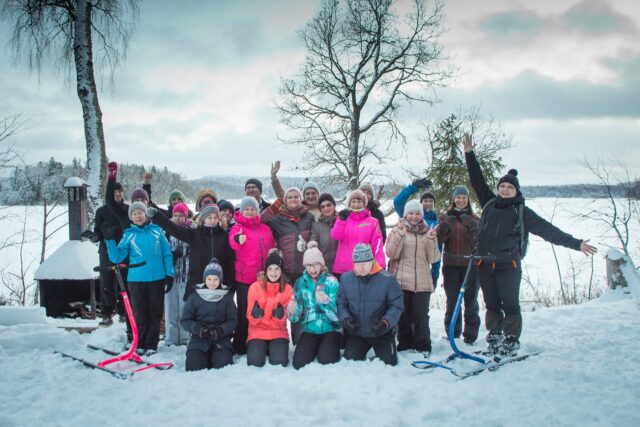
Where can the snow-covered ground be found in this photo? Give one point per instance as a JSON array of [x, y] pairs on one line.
[[586, 374]]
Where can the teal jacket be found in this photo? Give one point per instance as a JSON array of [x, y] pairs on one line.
[[316, 318], [147, 243]]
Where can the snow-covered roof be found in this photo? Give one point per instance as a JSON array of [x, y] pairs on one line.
[[74, 181], [74, 260]]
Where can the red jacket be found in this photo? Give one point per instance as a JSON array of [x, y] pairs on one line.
[[267, 327], [251, 255]]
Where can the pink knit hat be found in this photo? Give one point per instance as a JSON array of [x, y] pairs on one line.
[[313, 255], [181, 208]]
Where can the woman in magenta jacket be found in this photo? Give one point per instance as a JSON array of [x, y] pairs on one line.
[[356, 225], [251, 240]]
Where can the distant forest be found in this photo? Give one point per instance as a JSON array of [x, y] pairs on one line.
[[33, 184]]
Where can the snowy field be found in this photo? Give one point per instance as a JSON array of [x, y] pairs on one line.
[[586, 374]]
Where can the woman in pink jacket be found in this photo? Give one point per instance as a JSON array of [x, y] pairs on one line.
[[356, 225], [251, 240]]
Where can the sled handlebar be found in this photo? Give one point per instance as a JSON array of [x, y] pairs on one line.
[[473, 257], [119, 267]]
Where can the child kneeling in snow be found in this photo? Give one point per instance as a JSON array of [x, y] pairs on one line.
[[314, 306], [267, 300], [211, 316]]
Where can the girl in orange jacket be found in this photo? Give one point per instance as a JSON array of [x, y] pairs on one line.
[[266, 303]]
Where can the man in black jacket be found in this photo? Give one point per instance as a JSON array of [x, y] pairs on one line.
[[504, 227], [370, 303]]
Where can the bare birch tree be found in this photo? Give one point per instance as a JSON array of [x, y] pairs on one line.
[[66, 31], [363, 63]]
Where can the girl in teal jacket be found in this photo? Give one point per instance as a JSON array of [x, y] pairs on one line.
[[314, 305], [144, 241]]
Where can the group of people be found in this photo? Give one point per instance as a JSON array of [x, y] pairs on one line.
[[230, 279]]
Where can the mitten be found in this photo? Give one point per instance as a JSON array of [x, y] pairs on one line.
[[321, 297], [422, 183], [278, 312], [151, 212], [344, 214], [256, 311], [112, 169], [301, 245], [168, 284]]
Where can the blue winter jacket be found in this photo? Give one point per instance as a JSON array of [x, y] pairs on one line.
[[147, 243], [430, 217], [368, 299], [316, 318]]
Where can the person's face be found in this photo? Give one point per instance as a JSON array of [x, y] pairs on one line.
[[206, 200], [428, 204], [249, 211], [293, 200], [274, 272], [253, 190], [178, 218], [461, 202], [362, 268], [414, 217], [212, 281], [227, 214], [506, 190], [311, 197], [175, 201], [140, 199], [327, 208], [118, 196], [314, 269], [138, 217], [356, 204], [368, 194], [211, 220]]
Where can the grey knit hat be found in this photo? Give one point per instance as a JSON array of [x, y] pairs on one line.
[[362, 253], [368, 186], [310, 185], [249, 201], [290, 189], [207, 210], [213, 269], [460, 190], [412, 206], [137, 205]]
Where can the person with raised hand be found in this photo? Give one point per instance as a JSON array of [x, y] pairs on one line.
[[210, 316], [251, 240], [504, 228]]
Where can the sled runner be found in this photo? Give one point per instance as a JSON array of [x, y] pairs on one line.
[[129, 355], [487, 361]]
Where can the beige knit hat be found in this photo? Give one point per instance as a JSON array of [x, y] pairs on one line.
[[313, 255]]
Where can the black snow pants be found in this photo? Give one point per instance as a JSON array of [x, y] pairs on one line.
[[500, 284], [325, 346]]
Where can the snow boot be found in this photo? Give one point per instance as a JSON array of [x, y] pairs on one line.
[[510, 346], [106, 322], [494, 341]]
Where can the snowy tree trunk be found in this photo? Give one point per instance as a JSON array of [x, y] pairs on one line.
[[91, 113], [615, 263], [354, 163]]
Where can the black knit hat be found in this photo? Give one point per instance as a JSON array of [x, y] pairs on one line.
[[274, 257], [254, 181], [427, 195], [225, 204], [512, 178], [117, 187], [324, 197]]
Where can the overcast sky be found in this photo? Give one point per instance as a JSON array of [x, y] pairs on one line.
[[197, 90]]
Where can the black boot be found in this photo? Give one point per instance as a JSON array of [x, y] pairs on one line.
[[510, 346]]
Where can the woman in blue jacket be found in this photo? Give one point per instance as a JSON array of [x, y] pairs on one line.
[[144, 241]]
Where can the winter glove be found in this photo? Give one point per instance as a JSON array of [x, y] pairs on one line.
[[151, 212], [379, 326], [350, 325], [89, 235], [257, 312], [201, 331], [213, 333], [344, 214], [301, 245], [278, 312], [112, 169], [422, 183], [168, 284], [107, 231], [321, 297]]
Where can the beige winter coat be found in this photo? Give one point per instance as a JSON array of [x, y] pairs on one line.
[[410, 257]]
